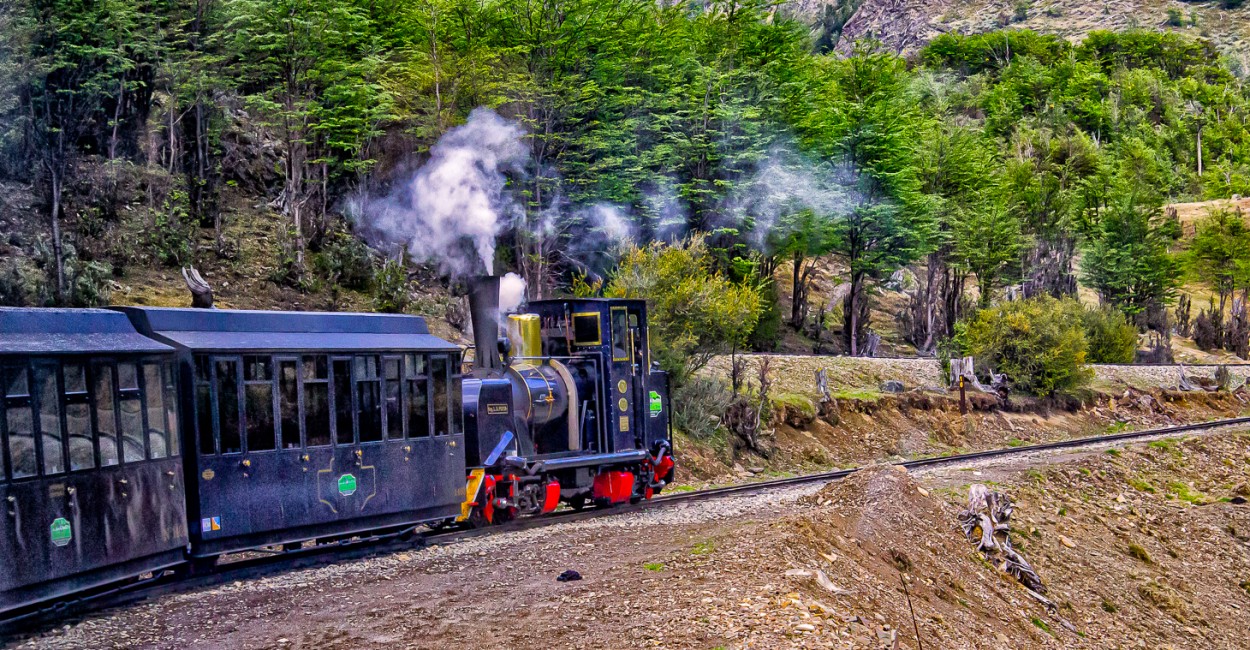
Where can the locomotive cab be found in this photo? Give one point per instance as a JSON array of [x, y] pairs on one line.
[[564, 405]]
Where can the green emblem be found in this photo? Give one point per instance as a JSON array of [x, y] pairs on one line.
[[61, 531], [657, 404], [347, 485]]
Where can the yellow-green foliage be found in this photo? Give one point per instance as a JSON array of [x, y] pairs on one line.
[[1110, 336], [695, 311], [1038, 343]]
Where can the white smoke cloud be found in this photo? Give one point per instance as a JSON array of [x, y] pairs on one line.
[[453, 207], [785, 184], [511, 292]]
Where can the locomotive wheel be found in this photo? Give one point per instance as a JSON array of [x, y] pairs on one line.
[[578, 502]]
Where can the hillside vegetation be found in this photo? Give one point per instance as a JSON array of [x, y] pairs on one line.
[[365, 154]]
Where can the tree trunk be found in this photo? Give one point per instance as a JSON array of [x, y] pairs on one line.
[[59, 262], [1200, 150], [799, 294]]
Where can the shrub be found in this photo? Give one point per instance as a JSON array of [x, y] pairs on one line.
[[344, 260], [695, 312], [1175, 17], [698, 405], [1110, 337], [390, 288], [1207, 332], [1038, 343]]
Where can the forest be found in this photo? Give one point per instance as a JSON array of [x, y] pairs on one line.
[[992, 167]]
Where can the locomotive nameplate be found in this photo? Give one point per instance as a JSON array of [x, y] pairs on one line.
[[624, 424], [208, 474], [496, 409]]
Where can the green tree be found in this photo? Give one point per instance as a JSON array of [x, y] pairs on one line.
[[1127, 259], [1219, 254], [695, 312]]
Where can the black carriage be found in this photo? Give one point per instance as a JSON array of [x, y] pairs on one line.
[[312, 425], [91, 477]]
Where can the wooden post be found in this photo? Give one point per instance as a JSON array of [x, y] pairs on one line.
[[963, 397]]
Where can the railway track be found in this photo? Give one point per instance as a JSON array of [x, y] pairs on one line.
[[257, 565]]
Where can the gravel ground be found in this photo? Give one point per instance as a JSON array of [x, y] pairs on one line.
[[677, 576]]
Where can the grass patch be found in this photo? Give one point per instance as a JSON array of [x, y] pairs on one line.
[[1141, 486], [703, 548], [1041, 625], [1109, 607], [1136, 551], [1118, 427], [680, 488], [865, 394], [1113, 451], [1084, 471], [1184, 493], [801, 403], [1037, 475], [654, 566], [1016, 442]]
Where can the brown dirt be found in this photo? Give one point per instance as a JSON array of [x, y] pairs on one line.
[[1140, 569]]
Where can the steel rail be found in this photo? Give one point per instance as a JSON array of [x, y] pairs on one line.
[[171, 582]]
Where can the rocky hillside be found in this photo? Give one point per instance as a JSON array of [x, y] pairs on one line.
[[906, 25]]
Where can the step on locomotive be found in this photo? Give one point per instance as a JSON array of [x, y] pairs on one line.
[[139, 440]]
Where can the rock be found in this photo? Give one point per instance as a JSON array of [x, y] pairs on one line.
[[805, 627], [923, 492], [892, 386], [798, 573], [1067, 542], [827, 584], [755, 470], [569, 576]]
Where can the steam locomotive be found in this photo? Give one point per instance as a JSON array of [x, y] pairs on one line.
[[138, 440]]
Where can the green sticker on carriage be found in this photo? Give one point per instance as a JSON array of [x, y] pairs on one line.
[[657, 404], [347, 485], [61, 532]]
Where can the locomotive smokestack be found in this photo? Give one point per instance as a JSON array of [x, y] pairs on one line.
[[484, 309]]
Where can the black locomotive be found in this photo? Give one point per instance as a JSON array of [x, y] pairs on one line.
[[138, 440]]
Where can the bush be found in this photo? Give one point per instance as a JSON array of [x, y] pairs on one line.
[[699, 404], [1038, 343], [695, 312], [1110, 337], [390, 288], [344, 260]]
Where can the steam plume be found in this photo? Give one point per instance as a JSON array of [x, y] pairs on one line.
[[511, 292], [452, 208]]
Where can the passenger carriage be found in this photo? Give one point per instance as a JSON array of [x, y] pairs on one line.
[[305, 426], [91, 477]]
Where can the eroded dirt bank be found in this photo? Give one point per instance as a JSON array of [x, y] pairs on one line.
[[1141, 547]]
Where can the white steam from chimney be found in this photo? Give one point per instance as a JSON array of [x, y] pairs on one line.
[[511, 292], [452, 208]]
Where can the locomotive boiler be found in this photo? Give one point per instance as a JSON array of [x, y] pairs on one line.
[[563, 405]]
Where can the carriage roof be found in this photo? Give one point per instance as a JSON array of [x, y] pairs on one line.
[[235, 330], [71, 331]]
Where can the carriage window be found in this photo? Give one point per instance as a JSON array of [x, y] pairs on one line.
[[49, 419], [20, 422], [105, 414], [204, 405], [171, 408], [417, 399], [288, 403], [78, 417], [258, 402], [368, 399], [438, 376], [620, 347], [586, 329], [316, 400], [228, 406], [154, 403], [394, 419], [343, 402]]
